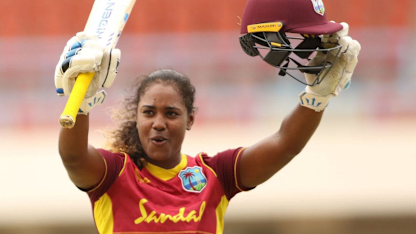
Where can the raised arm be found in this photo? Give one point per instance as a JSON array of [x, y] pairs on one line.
[[84, 164], [262, 160], [83, 53]]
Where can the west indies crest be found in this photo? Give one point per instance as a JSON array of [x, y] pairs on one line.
[[318, 6], [193, 179]]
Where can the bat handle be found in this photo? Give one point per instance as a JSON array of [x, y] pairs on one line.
[[69, 115]]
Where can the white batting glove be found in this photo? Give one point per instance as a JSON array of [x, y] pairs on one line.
[[91, 102], [339, 77], [83, 53]]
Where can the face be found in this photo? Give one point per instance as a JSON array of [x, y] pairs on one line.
[[162, 120]]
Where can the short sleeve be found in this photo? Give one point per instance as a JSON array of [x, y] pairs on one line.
[[114, 165], [226, 165]]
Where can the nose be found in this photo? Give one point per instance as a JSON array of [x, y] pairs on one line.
[[159, 123]]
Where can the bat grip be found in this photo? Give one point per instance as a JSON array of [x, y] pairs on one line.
[[69, 115]]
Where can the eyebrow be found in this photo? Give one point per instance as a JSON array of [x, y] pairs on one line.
[[153, 107]]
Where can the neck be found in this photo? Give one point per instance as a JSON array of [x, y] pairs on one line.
[[166, 164]]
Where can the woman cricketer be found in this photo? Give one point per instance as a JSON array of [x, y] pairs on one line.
[[142, 182]]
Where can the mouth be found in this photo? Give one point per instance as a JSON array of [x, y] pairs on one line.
[[159, 140]]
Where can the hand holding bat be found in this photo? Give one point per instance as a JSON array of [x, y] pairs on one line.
[[84, 54], [106, 21]]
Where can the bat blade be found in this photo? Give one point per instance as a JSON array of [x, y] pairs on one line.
[[107, 19]]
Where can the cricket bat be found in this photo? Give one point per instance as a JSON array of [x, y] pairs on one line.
[[107, 19]]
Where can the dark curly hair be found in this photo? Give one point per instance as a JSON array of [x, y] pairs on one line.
[[125, 138]]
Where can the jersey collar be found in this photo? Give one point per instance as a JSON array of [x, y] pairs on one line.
[[167, 174]]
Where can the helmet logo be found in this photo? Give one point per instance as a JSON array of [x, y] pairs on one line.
[[318, 6], [265, 27]]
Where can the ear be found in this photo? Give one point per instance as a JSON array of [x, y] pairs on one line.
[[190, 121]]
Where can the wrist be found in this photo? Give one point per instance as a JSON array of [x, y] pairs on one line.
[[88, 103], [313, 101]]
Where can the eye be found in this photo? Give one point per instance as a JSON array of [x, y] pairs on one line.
[[148, 112], [171, 114]]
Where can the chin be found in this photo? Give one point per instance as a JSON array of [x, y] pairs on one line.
[[158, 156]]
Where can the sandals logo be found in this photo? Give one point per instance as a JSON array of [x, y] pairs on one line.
[[161, 218], [318, 6], [193, 180]]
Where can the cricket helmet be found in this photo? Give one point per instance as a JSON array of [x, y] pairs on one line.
[[266, 23]]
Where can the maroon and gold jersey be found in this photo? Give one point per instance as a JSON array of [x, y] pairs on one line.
[[190, 198]]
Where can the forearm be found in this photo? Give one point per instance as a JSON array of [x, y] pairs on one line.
[[262, 160], [73, 143], [297, 128]]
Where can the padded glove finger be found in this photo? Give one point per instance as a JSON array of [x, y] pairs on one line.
[[351, 54], [113, 61], [107, 72], [82, 54], [77, 64], [331, 40]]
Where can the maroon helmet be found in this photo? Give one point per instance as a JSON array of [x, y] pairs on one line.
[[265, 25]]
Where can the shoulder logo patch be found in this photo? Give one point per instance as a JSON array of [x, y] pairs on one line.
[[193, 179], [318, 6]]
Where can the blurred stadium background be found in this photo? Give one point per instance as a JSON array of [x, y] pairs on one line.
[[357, 174]]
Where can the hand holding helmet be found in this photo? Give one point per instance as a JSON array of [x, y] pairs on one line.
[[336, 78], [269, 31], [330, 59]]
